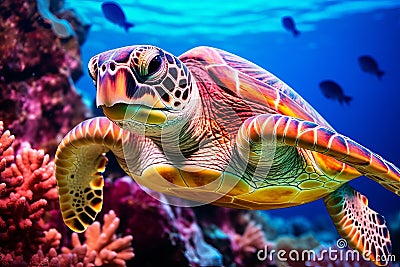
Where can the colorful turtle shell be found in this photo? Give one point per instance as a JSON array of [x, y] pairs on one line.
[[212, 127]]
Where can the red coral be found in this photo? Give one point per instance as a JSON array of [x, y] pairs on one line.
[[27, 186], [103, 246], [27, 195]]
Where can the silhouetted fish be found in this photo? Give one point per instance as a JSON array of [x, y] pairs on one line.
[[289, 25], [332, 90], [114, 13], [369, 65]]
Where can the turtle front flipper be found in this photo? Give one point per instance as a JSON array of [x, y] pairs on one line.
[[291, 131], [363, 228], [80, 160]]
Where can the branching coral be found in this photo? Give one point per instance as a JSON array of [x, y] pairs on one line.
[[246, 246], [27, 194], [103, 244], [28, 185], [251, 241], [101, 248]]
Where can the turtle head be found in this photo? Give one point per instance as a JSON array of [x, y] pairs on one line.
[[142, 85]]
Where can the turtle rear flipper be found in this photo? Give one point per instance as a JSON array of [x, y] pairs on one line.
[[80, 160], [311, 136], [363, 228]]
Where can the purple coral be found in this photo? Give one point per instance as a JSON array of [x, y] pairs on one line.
[[38, 101]]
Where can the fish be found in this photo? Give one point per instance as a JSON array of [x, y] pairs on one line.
[[369, 65], [332, 90], [289, 24], [114, 13]]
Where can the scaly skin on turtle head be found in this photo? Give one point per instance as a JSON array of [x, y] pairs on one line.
[[143, 86]]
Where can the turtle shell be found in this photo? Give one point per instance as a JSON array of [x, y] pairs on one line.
[[253, 83]]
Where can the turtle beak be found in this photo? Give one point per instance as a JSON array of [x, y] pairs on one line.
[[114, 85], [121, 97]]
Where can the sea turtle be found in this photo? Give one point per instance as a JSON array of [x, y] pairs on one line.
[[212, 127]]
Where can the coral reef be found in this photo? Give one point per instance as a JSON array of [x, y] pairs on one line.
[[247, 245], [102, 247], [28, 187], [38, 101], [27, 195], [292, 249], [164, 235], [221, 241], [78, 24], [246, 235], [33, 234]]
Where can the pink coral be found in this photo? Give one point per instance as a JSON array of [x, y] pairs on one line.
[[245, 246], [103, 245], [246, 235], [101, 248]]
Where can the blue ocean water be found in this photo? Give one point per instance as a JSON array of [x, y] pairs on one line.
[[333, 35]]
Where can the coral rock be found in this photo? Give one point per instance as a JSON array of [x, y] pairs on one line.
[[38, 101], [171, 231]]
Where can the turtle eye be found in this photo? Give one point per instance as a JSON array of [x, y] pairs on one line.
[[154, 65], [149, 65]]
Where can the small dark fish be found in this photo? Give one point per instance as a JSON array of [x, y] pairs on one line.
[[114, 13], [368, 64], [289, 25], [332, 90]]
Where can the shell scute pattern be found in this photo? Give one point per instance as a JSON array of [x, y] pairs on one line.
[[268, 78]]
